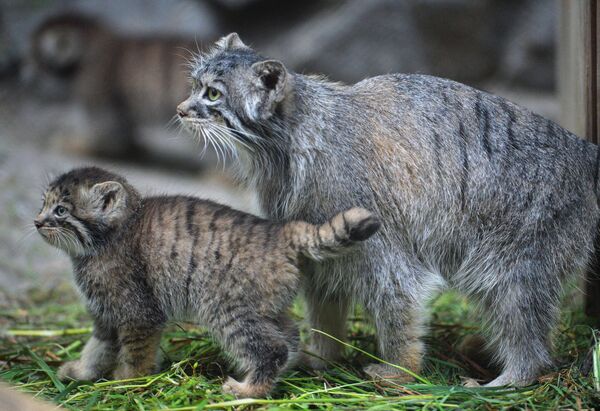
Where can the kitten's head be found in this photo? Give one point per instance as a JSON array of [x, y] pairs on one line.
[[233, 89], [82, 208]]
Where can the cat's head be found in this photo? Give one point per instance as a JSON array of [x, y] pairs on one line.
[[83, 207], [233, 88], [60, 43]]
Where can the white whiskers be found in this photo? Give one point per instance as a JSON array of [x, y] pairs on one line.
[[224, 141]]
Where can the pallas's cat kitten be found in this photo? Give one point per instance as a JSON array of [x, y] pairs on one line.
[[139, 262]]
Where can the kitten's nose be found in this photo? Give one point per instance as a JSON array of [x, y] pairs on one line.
[[38, 223]]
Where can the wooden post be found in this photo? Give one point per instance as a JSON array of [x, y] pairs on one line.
[[578, 79]]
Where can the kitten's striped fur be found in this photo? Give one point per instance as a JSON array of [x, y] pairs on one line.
[[139, 262]]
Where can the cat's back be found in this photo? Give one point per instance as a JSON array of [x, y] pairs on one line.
[[446, 124], [477, 154], [179, 234], [431, 105], [197, 251]]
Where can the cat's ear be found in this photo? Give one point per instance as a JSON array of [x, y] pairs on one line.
[[271, 74], [231, 41], [109, 199], [271, 77]]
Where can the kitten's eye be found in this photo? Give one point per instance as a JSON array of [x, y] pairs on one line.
[[213, 94], [60, 211]]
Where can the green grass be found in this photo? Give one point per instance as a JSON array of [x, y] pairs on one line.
[[52, 327]]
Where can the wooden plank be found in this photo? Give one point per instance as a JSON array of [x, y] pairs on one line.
[[574, 65], [592, 290], [578, 80]]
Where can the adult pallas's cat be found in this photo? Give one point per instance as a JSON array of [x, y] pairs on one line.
[[139, 262], [475, 193]]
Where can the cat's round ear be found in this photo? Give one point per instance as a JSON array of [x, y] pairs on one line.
[[109, 198], [272, 76], [231, 41]]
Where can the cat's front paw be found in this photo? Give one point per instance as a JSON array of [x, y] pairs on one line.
[[244, 389], [387, 373], [310, 361], [77, 370]]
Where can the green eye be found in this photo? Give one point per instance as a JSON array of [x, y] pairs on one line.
[[213, 94]]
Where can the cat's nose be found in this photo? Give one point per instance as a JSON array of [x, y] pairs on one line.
[[38, 223], [180, 111], [184, 109]]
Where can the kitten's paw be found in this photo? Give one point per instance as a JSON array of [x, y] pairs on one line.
[[245, 390], [125, 372], [76, 370], [385, 372]]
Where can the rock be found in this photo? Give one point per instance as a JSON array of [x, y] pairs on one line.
[[358, 39], [355, 40]]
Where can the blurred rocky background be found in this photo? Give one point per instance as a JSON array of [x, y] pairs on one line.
[[51, 120]]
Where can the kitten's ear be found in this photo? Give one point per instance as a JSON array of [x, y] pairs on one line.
[[109, 198], [231, 41]]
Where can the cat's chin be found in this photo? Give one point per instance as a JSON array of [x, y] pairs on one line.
[[73, 250]]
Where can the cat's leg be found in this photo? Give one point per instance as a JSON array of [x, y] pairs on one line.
[[138, 354], [521, 311], [262, 351], [396, 302], [291, 334], [328, 315], [97, 359]]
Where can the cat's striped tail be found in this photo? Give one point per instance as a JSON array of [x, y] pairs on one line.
[[334, 237]]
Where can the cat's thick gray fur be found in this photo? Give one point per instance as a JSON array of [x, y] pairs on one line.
[[476, 194]]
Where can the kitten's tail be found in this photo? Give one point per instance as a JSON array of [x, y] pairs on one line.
[[335, 236]]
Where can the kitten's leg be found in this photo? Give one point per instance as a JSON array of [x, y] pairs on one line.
[[291, 334], [329, 316], [397, 304], [521, 311], [261, 349], [138, 355], [97, 360]]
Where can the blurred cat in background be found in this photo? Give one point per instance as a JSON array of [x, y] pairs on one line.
[[122, 82]]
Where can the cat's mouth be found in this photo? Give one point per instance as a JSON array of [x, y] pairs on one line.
[[47, 232], [61, 239], [200, 121], [219, 133], [50, 234], [203, 124]]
